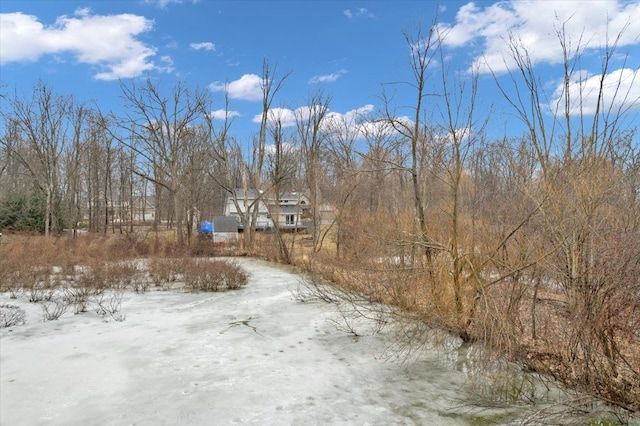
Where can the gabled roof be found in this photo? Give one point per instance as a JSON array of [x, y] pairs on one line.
[[252, 194]]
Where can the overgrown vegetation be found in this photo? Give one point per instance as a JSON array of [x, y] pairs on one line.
[[92, 274]]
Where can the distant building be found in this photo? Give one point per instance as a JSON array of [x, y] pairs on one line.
[[292, 209], [263, 221], [142, 209]]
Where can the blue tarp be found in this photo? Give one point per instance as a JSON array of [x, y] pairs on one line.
[[205, 227]]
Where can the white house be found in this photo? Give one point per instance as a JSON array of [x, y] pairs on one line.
[[292, 209]]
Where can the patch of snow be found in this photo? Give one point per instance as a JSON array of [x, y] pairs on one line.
[[251, 356]]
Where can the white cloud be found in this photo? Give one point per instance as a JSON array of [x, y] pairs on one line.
[[164, 3], [620, 89], [380, 128], [285, 116], [535, 24], [167, 64], [107, 41], [352, 122], [329, 78], [83, 11], [358, 13], [307, 111], [248, 88], [222, 114], [203, 46], [355, 113], [286, 148]]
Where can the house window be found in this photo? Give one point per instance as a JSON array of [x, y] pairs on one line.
[[290, 219]]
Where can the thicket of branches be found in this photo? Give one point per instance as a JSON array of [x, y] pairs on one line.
[[527, 244]]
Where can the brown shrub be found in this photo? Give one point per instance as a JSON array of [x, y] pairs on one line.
[[214, 275], [165, 272], [204, 247]]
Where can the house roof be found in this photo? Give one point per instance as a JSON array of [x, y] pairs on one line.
[[252, 194]]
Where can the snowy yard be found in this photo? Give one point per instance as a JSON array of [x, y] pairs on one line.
[[251, 356]]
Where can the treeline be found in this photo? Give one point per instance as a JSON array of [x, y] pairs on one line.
[[529, 243]]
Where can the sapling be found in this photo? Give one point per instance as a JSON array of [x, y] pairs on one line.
[[11, 315]]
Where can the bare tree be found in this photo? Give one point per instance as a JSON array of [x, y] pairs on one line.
[[159, 128], [98, 169], [581, 141], [270, 86], [281, 169], [383, 168], [423, 50], [239, 176], [42, 121], [227, 165], [15, 177], [341, 178], [309, 124], [197, 190], [73, 166]]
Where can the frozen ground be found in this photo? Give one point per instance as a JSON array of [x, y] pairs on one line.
[[253, 356]]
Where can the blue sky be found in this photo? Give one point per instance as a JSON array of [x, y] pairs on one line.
[[348, 49]]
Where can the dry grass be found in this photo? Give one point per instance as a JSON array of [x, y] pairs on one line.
[[502, 318], [502, 324], [587, 337], [92, 272]]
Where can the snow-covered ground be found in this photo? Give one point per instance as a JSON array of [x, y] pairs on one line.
[[252, 356]]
